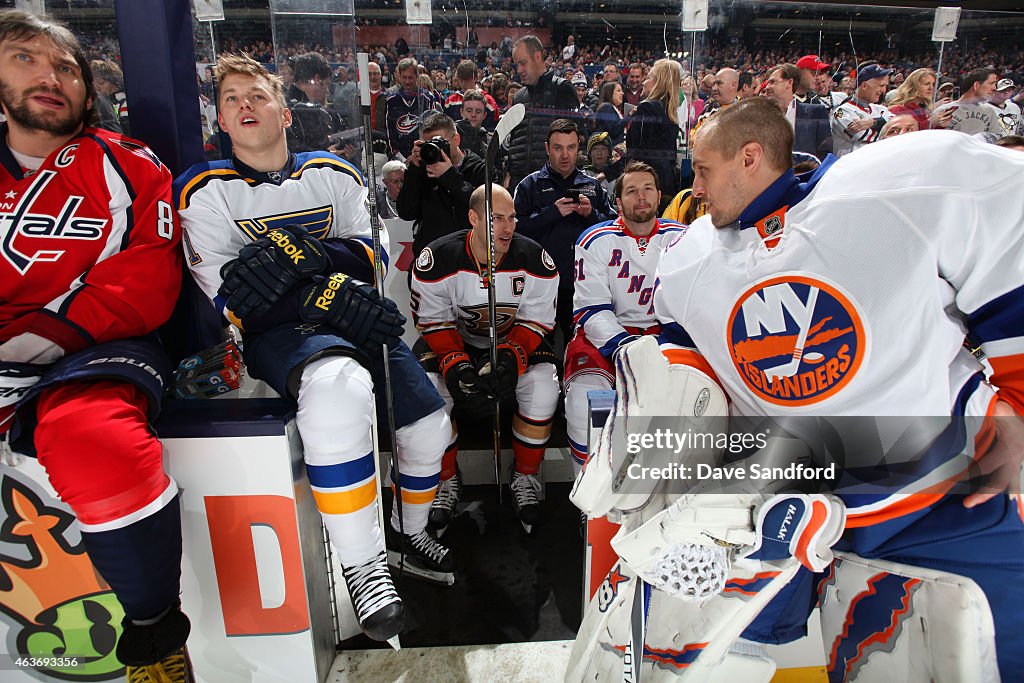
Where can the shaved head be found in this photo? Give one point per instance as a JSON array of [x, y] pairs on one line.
[[476, 200]]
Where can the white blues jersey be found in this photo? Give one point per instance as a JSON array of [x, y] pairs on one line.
[[224, 205], [850, 110], [449, 296], [852, 294], [614, 275]]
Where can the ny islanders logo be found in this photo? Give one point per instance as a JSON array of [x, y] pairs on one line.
[[795, 340]]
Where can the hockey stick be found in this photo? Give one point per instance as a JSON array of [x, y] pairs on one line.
[[789, 368], [511, 118], [363, 62]]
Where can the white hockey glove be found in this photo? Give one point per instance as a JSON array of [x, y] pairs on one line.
[[646, 386]]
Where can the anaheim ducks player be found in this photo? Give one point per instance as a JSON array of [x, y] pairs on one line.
[[449, 303], [613, 304]]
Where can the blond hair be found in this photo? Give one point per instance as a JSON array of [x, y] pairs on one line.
[[244, 65], [665, 74], [907, 91]]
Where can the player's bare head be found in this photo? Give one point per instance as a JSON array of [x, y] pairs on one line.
[[18, 27], [636, 169], [503, 218], [749, 122], [244, 65], [638, 194], [737, 154]]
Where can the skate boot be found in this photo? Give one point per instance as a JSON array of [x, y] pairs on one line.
[[155, 653], [379, 609], [443, 508], [424, 557], [174, 668], [526, 498]]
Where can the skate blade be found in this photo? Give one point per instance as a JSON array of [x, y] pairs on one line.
[[528, 528], [395, 643], [439, 578]]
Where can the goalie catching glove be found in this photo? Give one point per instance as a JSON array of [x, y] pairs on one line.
[[268, 267], [353, 308]]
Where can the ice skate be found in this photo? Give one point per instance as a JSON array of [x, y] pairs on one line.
[[174, 668], [526, 498], [155, 653], [379, 609], [425, 558], [442, 510]]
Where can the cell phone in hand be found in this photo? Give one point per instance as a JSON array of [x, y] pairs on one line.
[[574, 195]]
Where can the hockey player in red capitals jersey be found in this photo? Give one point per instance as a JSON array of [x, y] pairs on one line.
[[848, 292], [91, 267], [613, 303]]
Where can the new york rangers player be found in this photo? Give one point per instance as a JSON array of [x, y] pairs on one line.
[[848, 292], [280, 243], [613, 302], [91, 267]]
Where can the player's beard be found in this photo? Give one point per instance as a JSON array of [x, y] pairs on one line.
[[635, 216], [55, 123]]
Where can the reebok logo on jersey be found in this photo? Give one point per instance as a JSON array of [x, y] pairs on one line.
[[795, 340], [20, 220]]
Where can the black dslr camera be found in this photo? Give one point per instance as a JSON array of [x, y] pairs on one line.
[[430, 151]]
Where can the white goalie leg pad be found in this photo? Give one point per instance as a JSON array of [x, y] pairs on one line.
[[884, 621], [686, 640], [646, 385]]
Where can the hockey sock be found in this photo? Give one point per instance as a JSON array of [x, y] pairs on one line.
[[420, 447], [529, 439], [94, 441], [334, 418], [451, 453]]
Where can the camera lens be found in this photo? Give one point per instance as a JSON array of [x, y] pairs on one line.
[[430, 153]]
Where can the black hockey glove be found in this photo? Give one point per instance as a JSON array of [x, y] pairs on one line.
[[268, 267], [353, 308], [501, 384]]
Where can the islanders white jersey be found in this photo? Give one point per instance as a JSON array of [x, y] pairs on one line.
[[224, 205], [449, 296], [855, 299], [614, 274], [843, 141]]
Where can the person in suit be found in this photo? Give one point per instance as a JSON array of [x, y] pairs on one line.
[[812, 132]]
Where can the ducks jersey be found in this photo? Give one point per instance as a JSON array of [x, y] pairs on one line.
[[449, 295], [850, 293], [614, 275]]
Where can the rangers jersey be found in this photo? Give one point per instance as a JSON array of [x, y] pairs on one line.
[[224, 205], [449, 295], [614, 275], [850, 110], [90, 243], [851, 293]]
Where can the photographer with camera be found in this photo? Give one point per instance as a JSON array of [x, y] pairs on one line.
[[439, 180], [556, 204]]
